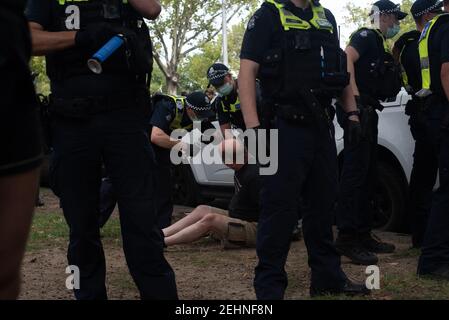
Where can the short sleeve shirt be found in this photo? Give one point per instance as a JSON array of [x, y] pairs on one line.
[[371, 50], [164, 114], [264, 30], [438, 55]]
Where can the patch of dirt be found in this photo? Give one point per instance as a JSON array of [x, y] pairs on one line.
[[203, 270]]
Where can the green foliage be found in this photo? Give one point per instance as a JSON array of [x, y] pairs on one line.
[[187, 27], [42, 83], [193, 70]]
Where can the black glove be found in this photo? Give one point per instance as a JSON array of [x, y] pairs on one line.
[[353, 133], [369, 101], [94, 36]]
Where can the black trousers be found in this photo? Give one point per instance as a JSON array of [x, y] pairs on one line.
[[354, 209], [423, 177], [120, 140], [435, 248], [307, 167], [108, 201], [164, 188]]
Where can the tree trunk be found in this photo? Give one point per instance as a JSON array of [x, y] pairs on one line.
[[172, 85]]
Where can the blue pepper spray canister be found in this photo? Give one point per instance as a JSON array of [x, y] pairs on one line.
[[95, 63]]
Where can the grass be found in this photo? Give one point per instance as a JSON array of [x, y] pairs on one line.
[[409, 286], [50, 230], [410, 253]]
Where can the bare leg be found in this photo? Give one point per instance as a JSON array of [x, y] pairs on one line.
[[210, 222], [17, 200], [193, 217]]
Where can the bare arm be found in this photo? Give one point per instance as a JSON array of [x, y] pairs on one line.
[[225, 129], [247, 92], [353, 57], [149, 9], [161, 139], [348, 102], [445, 78], [45, 42]]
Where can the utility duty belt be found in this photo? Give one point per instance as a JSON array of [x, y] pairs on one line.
[[308, 110], [89, 106], [421, 105], [417, 105], [367, 100]]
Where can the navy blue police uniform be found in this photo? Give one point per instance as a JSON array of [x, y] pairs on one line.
[[169, 114], [103, 118], [425, 160], [377, 78], [291, 78], [434, 49]]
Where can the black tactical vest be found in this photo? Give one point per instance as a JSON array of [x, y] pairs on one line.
[[379, 78], [70, 15], [307, 59]]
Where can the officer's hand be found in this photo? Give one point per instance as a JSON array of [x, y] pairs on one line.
[[94, 36], [353, 132]]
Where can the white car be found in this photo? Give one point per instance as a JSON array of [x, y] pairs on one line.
[[197, 183]]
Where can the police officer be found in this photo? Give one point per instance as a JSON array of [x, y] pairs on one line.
[[434, 56], [103, 118], [374, 77], [171, 113], [292, 46], [227, 103], [425, 164], [20, 143]]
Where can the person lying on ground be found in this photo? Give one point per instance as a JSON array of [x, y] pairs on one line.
[[236, 227]]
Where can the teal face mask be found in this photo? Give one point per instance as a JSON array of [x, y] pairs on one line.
[[392, 32], [225, 90]]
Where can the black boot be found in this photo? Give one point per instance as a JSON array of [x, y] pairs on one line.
[[349, 288], [374, 244], [441, 273], [349, 246]]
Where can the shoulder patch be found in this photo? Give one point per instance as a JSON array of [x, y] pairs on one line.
[[252, 22]]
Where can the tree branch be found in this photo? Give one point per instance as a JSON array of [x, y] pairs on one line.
[[213, 35], [161, 65]]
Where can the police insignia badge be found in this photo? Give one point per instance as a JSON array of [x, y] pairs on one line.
[[364, 33], [252, 23]]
